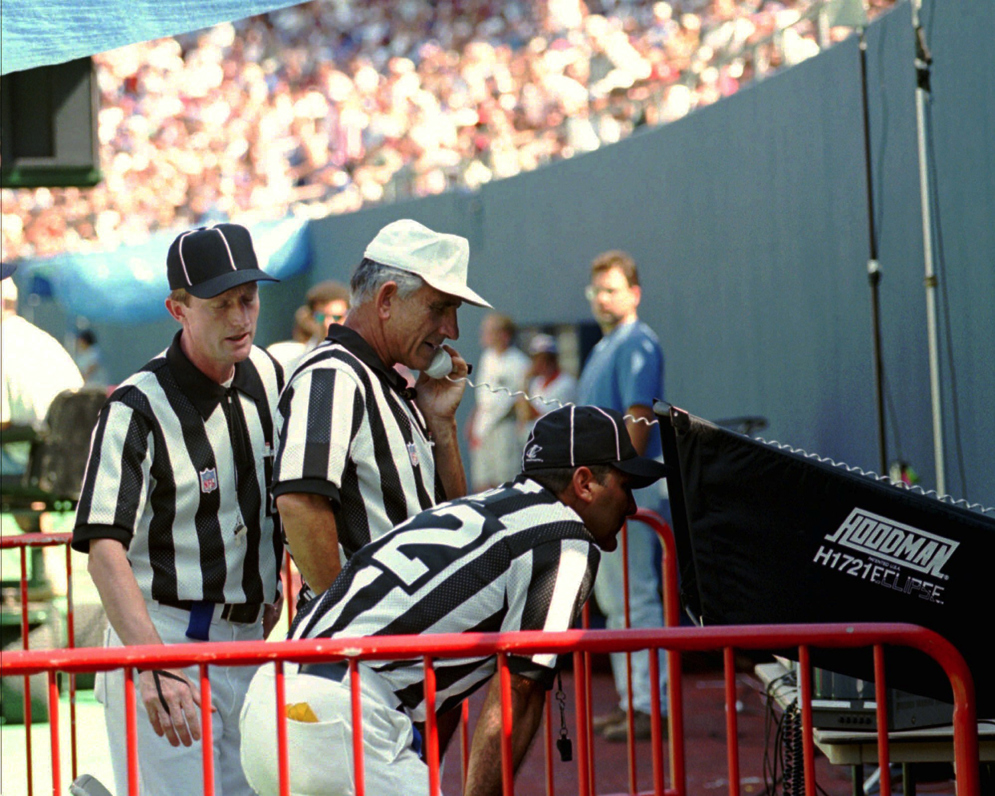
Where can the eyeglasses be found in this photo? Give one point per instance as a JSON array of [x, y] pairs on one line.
[[591, 292]]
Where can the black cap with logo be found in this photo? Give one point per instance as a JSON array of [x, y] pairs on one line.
[[207, 261], [587, 435]]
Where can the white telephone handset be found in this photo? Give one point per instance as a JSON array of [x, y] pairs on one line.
[[441, 364]]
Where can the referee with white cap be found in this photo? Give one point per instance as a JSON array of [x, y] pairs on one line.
[[359, 450], [176, 514]]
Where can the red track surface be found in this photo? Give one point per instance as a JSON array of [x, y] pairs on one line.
[[707, 768]]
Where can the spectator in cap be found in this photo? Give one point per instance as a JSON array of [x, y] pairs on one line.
[[175, 513], [493, 429], [521, 557], [360, 451], [549, 387]]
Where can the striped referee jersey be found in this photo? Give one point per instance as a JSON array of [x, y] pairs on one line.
[[351, 432], [512, 558], [178, 473]]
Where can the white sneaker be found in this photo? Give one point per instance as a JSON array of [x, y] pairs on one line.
[[88, 785]]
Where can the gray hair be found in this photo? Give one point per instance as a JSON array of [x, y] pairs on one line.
[[370, 276]]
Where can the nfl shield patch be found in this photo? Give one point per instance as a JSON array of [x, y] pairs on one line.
[[208, 480]]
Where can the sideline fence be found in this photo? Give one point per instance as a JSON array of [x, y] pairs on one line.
[[575, 642], [23, 542], [50, 661]]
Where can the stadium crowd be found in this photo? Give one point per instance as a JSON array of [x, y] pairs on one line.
[[329, 106]]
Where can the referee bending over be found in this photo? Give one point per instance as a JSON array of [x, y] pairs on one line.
[[522, 556], [176, 516], [359, 451]]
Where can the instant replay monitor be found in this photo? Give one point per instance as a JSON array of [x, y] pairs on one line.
[[769, 535]]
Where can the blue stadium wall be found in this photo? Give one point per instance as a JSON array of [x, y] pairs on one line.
[[748, 220]]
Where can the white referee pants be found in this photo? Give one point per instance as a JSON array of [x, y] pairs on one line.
[[165, 770], [320, 754]]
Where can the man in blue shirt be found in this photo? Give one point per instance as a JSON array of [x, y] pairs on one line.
[[625, 372]]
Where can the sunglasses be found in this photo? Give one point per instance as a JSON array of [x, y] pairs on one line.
[[336, 317]]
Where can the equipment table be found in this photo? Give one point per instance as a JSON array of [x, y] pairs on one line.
[[856, 747]]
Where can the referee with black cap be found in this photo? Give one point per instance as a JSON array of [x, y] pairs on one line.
[[521, 556], [176, 515]]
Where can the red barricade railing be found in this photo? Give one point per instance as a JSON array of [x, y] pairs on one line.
[[577, 642], [291, 579], [23, 542], [26, 541], [671, 618]]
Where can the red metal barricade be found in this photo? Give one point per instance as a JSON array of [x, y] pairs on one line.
[[291, 580], [23, 542], [579, 643], [671, 618], [27, 541]]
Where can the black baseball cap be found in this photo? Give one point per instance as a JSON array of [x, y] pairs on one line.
[[207, 261], [587, 435]]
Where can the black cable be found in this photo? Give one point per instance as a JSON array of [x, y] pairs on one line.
[[941, 276], [778, 779], [891, 412], [879, 207], [768, 720], [772, 762], [794, 770], [893, 416], [769, 767]]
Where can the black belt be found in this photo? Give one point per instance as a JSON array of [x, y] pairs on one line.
[[330, 671], [239, 613]]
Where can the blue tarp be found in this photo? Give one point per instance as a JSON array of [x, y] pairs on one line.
[[128, 285], [36, 33]]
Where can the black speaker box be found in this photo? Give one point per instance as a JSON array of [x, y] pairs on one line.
[[48, 126]]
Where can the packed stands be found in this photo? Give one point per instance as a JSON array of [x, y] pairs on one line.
[[330, 106]]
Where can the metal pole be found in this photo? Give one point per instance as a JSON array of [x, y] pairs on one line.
[[873, 268], [923, 60]]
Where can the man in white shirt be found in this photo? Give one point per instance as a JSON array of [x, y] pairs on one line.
[[495, 446], [36, 368]]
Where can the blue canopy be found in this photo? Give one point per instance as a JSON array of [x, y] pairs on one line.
[[37, 33], [128, 285]]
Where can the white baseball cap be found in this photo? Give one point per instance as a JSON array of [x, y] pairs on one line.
[[437, 257], [543, 344]]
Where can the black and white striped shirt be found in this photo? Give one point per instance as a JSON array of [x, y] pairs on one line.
[[512, 558], [351, 432], [178, 473]]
